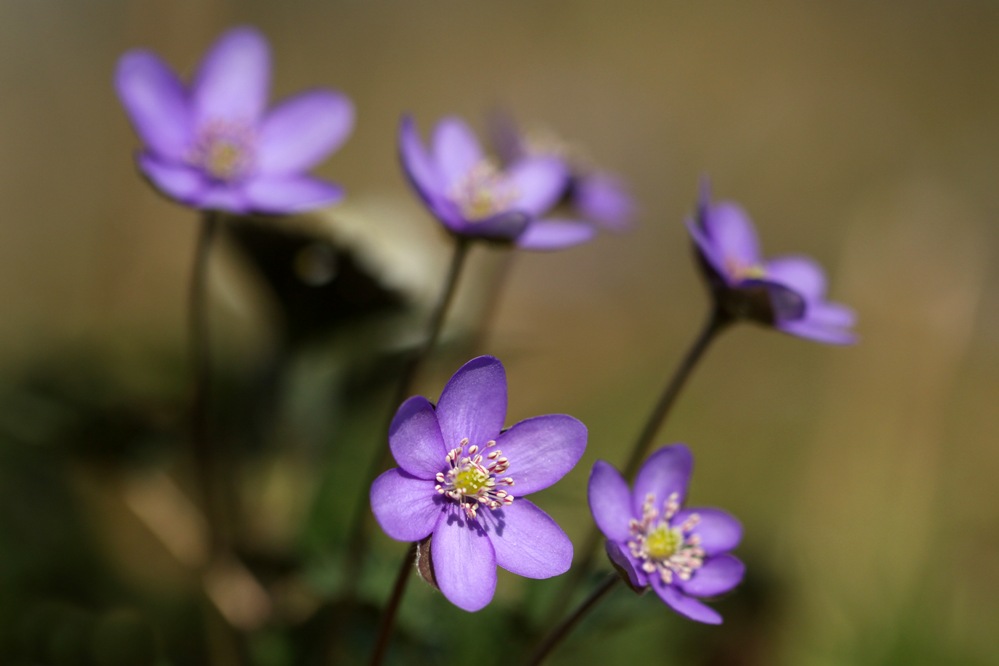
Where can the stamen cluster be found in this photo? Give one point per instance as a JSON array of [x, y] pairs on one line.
[[663, 548], [224, 150], [483, 192], [472, 479]]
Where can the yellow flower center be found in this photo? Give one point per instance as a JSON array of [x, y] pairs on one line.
[[662, 542]]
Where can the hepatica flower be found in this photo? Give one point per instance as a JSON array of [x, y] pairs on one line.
[[462, 479], [473, 196], [213, 144], [682, 554], [787, 292]]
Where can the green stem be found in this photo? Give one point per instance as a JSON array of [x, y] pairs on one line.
[[716, 322], [392, 607], [203, 451], [559, 633]]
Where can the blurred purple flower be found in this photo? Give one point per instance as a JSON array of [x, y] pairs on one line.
[[212, 145], [472, 196], [787, 293], [458, 474], [681, 553], [591, 194]]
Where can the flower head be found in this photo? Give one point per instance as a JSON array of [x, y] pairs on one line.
[[213, 144], [590, 193], [787, 292], [462, 479], [474, 196], [681, 553]]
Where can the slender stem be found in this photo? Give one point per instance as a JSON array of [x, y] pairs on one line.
[[202, 447], [391, 609], [716, 322], [357, 534], [568, 624]]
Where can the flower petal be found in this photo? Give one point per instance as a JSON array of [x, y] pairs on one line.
[[419, 167], [627, 564], [610, 501], [719, 531], [541, 450], [407, 508], [217, 196], [156, 103], [464, 561], [539, 182], [802, 274], [805, 328], [455, 150], [505, 226], [415, 439], [604, 199], [179, 182], [473, 403], [730, 231], [290, 194], [665, 472], [300, 132], [527, 541], [717, 576], [545, 235], [233, 79], [684, 605]]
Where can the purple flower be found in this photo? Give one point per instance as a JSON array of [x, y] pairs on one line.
[[461, 481], [472, 196], [591, 194], [211, 145], [787, 293], [681, 553]]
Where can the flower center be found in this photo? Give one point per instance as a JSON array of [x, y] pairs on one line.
[[483, 192], [666, 549], [473, 479], [225, 150], [739, 270]]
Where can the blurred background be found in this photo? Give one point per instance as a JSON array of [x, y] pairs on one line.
[[863, 134]]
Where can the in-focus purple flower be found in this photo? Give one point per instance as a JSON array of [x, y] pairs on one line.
[[591, 194], [683, 554], [462, 478], [787, 292], [473, 196], [214, 145]]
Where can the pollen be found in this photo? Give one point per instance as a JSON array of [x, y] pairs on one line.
[[483, 192], [473, 477], [667, 550], [224, 150], [739, 270]]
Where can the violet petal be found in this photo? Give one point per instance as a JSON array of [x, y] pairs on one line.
[[802, 274], [179, 182], [718, 530], [730, 230], [290, 194], [464, 561], [407, 508], [631, 567], [541, 450], [610, 501], [684, 605], [415, 439], [527, 541], [718, 575], [455, 150], [664, 472], [156, 102], [473, 403], [539, 183], [301, 131], [603, 198], [544, 235], [233, 80]]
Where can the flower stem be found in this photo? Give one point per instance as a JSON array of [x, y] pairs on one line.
[[391, 609], [357, 533], [559, 633], [716, 322], [203, 451]]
